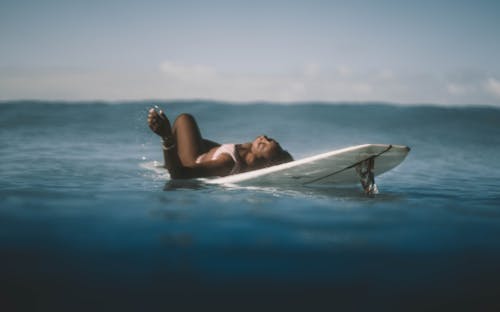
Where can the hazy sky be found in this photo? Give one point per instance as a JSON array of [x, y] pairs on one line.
[[399, 51]]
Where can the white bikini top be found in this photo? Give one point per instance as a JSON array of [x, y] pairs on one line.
[[229, 149]]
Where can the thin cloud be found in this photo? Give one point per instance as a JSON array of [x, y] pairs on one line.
[[310, 82], [188, 72], [456, 89], [492, 85]]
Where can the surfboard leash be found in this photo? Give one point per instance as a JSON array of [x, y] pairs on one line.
[[349, 167]]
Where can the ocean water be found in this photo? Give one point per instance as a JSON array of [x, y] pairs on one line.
[[83, 225]]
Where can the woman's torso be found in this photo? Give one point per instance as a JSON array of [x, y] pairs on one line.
[[228, 149]]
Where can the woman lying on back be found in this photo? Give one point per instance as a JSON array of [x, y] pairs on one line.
[[187, 155]]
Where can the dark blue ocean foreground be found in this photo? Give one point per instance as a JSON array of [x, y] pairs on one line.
[[84, 226]]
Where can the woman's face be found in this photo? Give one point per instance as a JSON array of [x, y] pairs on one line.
[[264, 147]]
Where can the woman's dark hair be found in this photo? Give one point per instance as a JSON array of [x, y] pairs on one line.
[[281, 157]]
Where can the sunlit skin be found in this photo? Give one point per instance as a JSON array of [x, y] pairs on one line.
[[184, 144]]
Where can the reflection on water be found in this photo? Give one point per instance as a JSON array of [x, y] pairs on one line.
[[189, 184]]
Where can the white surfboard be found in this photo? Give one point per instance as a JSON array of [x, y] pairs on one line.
[[335, 167]]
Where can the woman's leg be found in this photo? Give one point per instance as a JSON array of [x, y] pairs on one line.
[[190, 144]]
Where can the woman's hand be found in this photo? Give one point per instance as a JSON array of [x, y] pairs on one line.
[[159, 124]]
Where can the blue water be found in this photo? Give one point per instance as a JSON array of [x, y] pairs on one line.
[[84, 225]]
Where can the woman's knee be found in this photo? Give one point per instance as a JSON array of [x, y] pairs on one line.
[[185, 126], [185, 118]]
